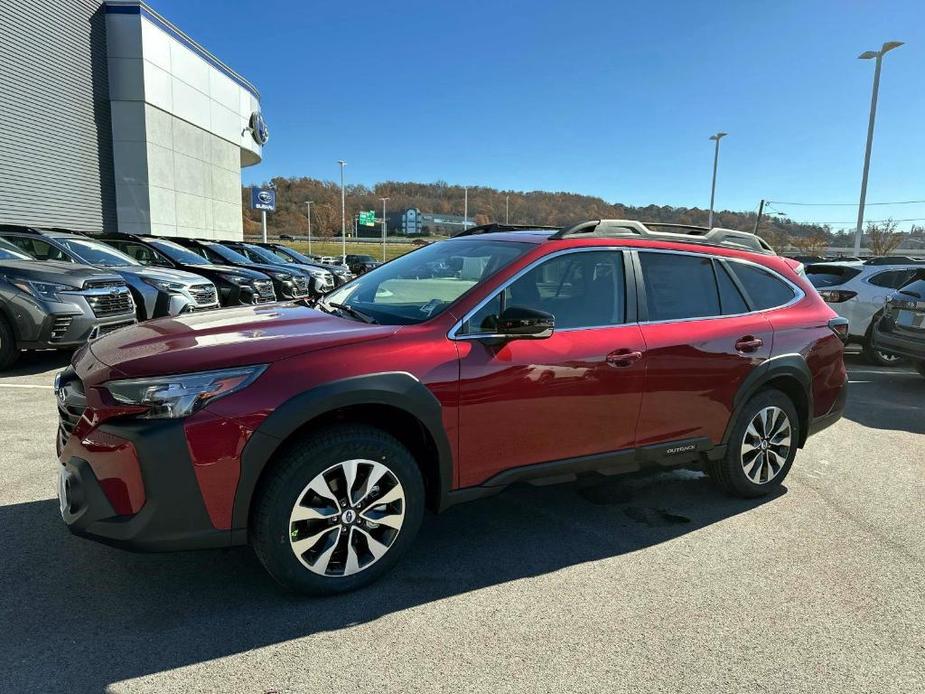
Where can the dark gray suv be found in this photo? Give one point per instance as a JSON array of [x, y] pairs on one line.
[[157, 292], [54, 305]]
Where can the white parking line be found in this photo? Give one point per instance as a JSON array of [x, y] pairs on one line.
[[23, 385]]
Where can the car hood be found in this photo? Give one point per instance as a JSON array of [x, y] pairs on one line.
[[231, 270], [226, 338], [163, 274], [70, 274], [267, 268]]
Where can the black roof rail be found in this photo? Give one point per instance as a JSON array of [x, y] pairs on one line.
[[20, 229], [495, 227], [892, 260], [684, 233]]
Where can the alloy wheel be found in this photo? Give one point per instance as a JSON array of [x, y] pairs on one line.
[[766, 445], [347, 518]]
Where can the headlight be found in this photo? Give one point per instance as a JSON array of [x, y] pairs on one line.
[[164, 285], [236, 279], [170, 397], [44, 290], [281, 276], [318, 274]]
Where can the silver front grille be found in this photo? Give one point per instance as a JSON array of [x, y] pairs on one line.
[[264, 289], [204, 294], [301, 284], [106, 305], [108, 298]]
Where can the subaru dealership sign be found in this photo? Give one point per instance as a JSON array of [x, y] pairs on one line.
[[263, 199]]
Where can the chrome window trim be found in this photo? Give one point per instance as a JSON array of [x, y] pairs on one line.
[[799, 294], [452, 334]]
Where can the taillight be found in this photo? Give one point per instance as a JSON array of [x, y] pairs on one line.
[[836, 296], [839, 326]]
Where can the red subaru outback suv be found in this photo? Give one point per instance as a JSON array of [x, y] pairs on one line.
[[319, 434]]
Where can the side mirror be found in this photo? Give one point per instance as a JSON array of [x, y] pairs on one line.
[[517, 321]]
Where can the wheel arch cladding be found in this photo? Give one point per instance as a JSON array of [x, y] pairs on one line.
[[395, 402], [788, 373]]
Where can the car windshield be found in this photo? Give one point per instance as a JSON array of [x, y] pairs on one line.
[[96, 253], [229, 255], [268, 256], [288, 255], [9, 252], [178, 253], [423, 283]]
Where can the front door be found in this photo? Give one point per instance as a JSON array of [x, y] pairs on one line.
[[576, 393]]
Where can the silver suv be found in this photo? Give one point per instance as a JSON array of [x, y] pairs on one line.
[[858, 290], [53, 305]]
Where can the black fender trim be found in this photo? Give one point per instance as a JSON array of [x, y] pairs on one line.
[[396, 389], [790, 365]]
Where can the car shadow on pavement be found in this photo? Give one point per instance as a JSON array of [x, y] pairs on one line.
[[79, 616], [33, 363], [885, 398]]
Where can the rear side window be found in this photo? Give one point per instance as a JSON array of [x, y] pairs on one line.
[[764, 289], [679, 286], [729, 295], [822, 276], [892, 279]]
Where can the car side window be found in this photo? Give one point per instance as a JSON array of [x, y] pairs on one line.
[[679, 286], [729, 295], [764, 289], [892, 279], [581, 289], [39, 249]]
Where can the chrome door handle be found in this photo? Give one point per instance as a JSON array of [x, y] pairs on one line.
[[749, 344], [623, 357]]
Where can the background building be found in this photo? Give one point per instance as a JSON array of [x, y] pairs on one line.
[[413, 222], [116, 119]]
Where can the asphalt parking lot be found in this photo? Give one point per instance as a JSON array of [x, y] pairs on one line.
[[612, 584]]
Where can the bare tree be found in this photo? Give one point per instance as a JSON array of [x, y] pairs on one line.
[[813, 244], [883, 238]]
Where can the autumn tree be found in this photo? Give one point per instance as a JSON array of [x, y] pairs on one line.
[[883, 238]]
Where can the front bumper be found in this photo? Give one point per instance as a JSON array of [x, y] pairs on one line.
[[132, 485]]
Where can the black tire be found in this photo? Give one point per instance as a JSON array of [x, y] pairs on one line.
[[296, 468], [729, 472], [9, 350], [875, 356]]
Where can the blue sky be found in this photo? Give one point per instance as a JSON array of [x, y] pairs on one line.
[[614, 99]]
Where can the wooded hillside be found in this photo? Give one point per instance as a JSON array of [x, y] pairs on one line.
[[485, 205]]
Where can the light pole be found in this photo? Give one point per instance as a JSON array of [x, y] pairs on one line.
[[466, 209], [507, 208], [717, 137], [383, 228], [867, 55], [308, 213], [343, 210]]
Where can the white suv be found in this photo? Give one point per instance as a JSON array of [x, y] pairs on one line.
[[858, 290]]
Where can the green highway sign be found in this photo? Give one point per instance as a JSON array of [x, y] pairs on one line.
[[367, 219]]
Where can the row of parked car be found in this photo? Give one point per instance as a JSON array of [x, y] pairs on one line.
[[884, 302], [59, 289]]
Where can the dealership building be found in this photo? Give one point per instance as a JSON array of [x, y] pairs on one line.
[[114, 119]]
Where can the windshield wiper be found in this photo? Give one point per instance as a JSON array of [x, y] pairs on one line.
[[366, 318]]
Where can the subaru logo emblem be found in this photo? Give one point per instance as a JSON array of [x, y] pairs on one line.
[[264, 197], [259, 130]]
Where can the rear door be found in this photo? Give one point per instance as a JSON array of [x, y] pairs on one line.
[[574, 394], [702, 341]]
